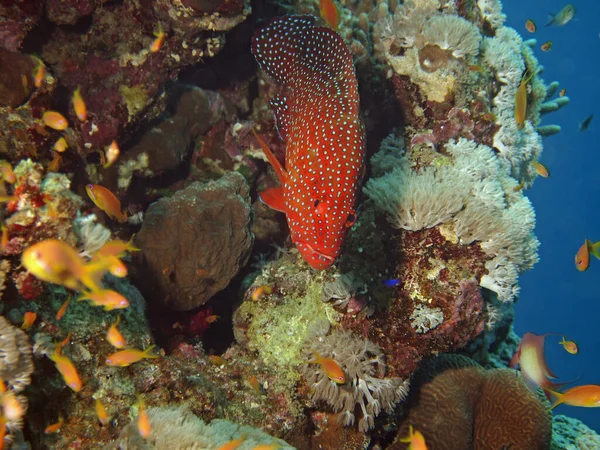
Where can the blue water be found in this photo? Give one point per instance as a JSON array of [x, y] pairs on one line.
[[555, 297]]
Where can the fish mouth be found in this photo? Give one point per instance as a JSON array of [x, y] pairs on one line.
[[316, 252]]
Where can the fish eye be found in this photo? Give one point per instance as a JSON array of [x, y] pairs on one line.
[[316, 203], [351, 219]]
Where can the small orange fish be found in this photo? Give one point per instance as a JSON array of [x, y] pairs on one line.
[[106, 201], [28, 320], [117, 248], [114, 336], [273, 446], [55, 427], [2, 431], [79, 105], [331, 368], [8, 198], [415, 440], [111, 154], [582, 258], [562, 92], [521, 100], [520, 186], [39, 73], [201, 272], [157, 43], [63, 309], [143, 422], [546, 46], [587, 396], [260, 291], [217, 360], [540, 169], [530, 26], [124, 358], [61, 145], [66, 368], [55, 120], [6, 171], [4, 239], [116, 267], [54, 165], [233, 444], [254, 383], [212, 319], [330, 13], [106, 298], [101, 413], [569, 346]]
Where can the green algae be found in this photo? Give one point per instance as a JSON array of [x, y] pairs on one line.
[[135, 97]]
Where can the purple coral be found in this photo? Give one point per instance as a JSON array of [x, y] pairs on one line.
[[363, 364]]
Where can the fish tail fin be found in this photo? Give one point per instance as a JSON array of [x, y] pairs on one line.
[[149, 352], [551, 18], [595, 249], [93, 273], [131, 246], [555, 397]]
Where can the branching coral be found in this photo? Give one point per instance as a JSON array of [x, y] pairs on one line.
[[363, 364]]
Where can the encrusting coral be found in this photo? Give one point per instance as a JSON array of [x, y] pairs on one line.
[[366, 386]]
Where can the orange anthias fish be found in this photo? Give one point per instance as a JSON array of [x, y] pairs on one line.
[[114, 336], [79, 105], [521, 100], [330, 13], [331, 368], [415, 440], [159, 34], [55, 120], [569, 346], [116, 247], [101, 413], [6, 171], [66, 368], [127, 357], [63, 309], [143, 422], [582, 258], [318, 119], [530, 357], [106, 298], [540, 169], [530, 26], [39, 72], [261, 291], [57, 262], [28, 320], [232, 445], [55, 427], [106, 201], [587, 396]]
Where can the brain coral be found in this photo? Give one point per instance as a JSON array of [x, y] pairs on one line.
[[457, 404]]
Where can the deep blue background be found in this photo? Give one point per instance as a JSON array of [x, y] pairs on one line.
[[555, 296]]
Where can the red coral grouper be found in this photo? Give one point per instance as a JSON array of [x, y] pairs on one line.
[[318, 119]]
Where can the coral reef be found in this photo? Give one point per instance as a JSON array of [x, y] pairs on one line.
[[191, 260], [177, 428], [456, 404]]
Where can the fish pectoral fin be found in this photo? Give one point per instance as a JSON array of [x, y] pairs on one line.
[[279, 170], [273, 198]]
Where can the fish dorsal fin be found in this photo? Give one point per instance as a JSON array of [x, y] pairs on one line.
[[282, 119], [279, 170]]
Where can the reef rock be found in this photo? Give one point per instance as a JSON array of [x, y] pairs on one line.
[[194, 242]]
